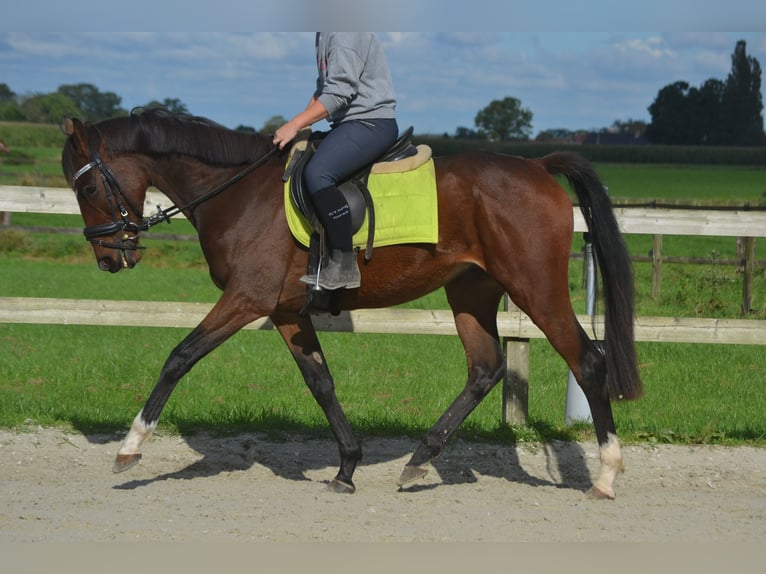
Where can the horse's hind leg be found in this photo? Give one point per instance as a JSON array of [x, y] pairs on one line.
[[591, 376], [300, 336], [474, 298], [546, 301]]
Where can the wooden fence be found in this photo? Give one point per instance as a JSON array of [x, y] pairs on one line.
[[515, 328]]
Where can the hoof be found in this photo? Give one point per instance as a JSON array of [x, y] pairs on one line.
[[411, 473], [599, 493], [340, 487], [125, 461]]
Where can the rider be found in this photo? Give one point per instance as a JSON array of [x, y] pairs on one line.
[[355, 94]]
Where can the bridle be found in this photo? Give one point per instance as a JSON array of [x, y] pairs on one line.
[[118, 200]]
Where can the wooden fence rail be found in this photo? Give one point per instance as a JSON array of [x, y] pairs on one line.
[[515, 328], [511, 324], [639, 220]]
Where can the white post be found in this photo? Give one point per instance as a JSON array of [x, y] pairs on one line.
[[577, 408]]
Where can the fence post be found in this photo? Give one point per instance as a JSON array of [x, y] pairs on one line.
[[516, 381], [747, 284], [656, 265], [5, 216], [577, 408]]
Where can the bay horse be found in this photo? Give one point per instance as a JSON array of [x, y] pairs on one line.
[[505, 225]]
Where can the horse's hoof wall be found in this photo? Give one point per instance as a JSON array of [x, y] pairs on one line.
[[340, 487], [125, 461], [599, 493], [411, 473]]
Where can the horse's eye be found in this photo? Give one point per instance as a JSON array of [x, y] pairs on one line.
[[89, 190]]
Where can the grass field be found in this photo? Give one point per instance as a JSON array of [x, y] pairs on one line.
[[96, 378]]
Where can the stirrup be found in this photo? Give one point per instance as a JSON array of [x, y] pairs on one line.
[[340, 272]]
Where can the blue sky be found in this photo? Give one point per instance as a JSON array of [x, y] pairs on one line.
[[573, 80]]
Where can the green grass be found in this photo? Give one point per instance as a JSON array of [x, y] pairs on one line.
[[97, 378], [32, 165], [702, 184]]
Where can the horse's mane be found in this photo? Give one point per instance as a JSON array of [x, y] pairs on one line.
[[156, 131]]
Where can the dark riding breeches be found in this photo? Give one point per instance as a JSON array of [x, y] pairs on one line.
[[348, 147]]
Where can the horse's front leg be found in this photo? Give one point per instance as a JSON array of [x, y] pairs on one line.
[[221, 323], [300, 336]]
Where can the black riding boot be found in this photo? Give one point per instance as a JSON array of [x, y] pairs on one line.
[[341, 270]]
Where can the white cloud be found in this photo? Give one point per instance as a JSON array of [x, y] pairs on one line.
[[571, 80]]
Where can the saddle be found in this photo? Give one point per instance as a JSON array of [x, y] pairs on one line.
[[354, 188], [357, 195]]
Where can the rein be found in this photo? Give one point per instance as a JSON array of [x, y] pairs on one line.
[[113, 190], [166, 214]]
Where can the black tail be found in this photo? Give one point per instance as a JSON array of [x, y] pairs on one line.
[[622, 378]]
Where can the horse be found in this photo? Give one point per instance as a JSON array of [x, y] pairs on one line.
[[505, 225]]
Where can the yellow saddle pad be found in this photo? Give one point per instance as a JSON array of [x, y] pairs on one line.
[[406, 209]]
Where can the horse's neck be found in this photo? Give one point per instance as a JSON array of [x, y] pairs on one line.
[[184, 180], [187, 182]]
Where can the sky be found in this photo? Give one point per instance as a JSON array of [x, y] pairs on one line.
[[567, 79]]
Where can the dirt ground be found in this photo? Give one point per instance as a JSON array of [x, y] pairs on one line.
[[59, 487]]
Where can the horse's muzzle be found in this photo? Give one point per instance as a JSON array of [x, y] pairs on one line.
[[116, 258], [109, 264]]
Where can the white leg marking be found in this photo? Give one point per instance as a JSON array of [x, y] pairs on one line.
[[611, 466], [138, 433]]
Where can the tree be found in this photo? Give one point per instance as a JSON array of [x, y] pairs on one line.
[[716, 113], [463, 133], [11, 112], [555, 135], [707, 109], [172, 105], [630, 126], [9, 106], [93, 104], [7, 95], [48, 108], [505, 120], [272, 124], [742, 101], [670, 115]]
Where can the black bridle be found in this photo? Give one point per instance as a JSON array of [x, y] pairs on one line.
[[118, 200]]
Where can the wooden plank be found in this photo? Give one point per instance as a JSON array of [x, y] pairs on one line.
[[695, 330], [637, 220], [643, 221], [59, 200], [692, 222], [399, 321]]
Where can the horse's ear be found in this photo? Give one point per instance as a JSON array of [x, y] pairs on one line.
[[76, 129], [67, 125]]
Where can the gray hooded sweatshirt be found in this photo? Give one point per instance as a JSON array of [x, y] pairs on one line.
[[354, 80]]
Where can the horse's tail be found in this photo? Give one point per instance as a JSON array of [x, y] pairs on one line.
[[622, 377]]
